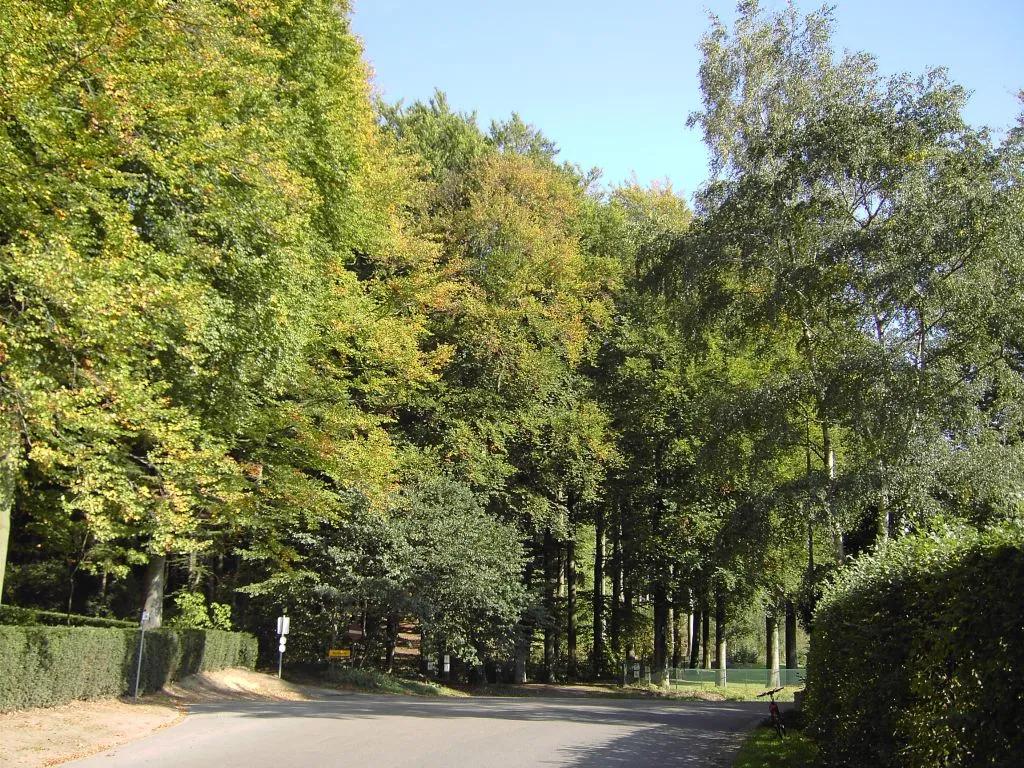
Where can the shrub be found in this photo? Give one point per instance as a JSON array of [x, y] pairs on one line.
[[191, 611], [10, 614], [46, 666], [917, 656]]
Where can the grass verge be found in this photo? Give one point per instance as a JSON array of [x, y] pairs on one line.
[[764, 749], [381, 682], [740, 692]]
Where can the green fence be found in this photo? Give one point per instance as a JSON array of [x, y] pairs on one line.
[[751, 678], [760, 678]]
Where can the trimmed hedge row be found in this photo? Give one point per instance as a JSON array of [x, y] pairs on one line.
[[46, 666], [917, 654], [11, 614]]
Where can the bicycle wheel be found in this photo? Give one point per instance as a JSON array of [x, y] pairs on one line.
[[779, 727]]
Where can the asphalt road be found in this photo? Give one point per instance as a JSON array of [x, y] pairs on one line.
[[381, 731]]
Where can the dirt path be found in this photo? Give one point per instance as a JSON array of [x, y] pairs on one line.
[[33, 738]]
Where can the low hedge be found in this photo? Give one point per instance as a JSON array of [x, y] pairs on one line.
[[46, 666], [12, 614], [917, 654]]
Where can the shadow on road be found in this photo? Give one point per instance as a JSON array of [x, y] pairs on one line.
[[674, 745], [711, 716]]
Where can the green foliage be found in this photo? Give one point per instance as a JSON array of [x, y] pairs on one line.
[[377, 363], [915, 658], [220, 616], [191, 612], [10, 614], [378, 682], [465, 579], [437, 556], [46, 666], [764, 749]]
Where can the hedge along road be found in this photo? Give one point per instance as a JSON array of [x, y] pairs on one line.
[[379, 731]]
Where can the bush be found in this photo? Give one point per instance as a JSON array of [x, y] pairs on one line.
[[46, 666], [374, 680], [191, 612], [10, 614], [917, 656]]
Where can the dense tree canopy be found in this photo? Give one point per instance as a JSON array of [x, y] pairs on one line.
[[266, 342]]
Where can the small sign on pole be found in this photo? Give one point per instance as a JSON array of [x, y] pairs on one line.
[[339, 653], [138, 666], [282, 630]]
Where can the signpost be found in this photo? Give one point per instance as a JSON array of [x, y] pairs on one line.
[[339, 653], [282, 631], [138, 666]]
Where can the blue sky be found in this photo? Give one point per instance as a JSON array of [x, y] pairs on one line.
[[612, 82]]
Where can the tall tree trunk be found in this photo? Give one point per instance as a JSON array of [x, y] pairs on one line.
[[670, 636], [193, 573], [810, 546], [830, 465], [677, 637], [570, 621], [73, 572], [550, 593], [772, 646], [720, 651], [154, 590], [695, 619], [615, 628], [661, 629], [522, 652], [791, 660], [392, 641], [627, 617], [885, 503], [527, 626], [705, 639], [559, 601], [598, 650], [677, 627], [8, 482], [442, 651], [424, 651]]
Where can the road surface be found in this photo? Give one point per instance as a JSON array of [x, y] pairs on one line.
[[382, 731]]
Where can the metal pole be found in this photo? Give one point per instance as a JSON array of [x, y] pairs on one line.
[[138, 666], [280, 657]]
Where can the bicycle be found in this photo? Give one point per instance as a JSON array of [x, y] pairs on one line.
[[773, 708]]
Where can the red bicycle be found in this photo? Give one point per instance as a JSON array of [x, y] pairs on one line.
[[773, 708]]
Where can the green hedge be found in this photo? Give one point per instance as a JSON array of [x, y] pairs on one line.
[[46, 666], [917, 655], [11, 614]]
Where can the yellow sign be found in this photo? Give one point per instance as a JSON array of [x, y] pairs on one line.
[[339, 653]]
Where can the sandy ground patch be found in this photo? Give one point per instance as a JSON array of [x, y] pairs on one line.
[[33, 738], [236, 684], [52, 735]]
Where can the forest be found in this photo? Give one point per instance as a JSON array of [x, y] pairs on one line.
[[269, 344]]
